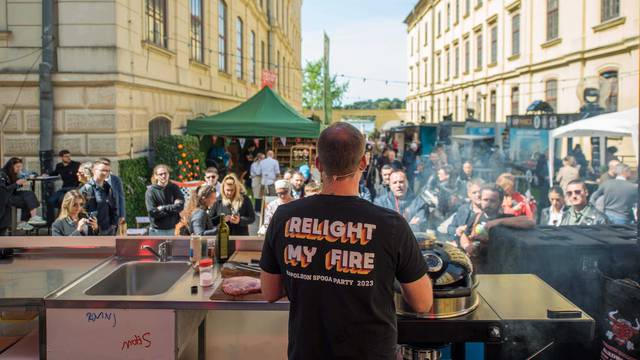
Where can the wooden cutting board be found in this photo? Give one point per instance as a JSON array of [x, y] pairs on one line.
[[220, 295], [245, 256]]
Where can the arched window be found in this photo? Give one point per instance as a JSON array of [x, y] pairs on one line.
[[158, 127]]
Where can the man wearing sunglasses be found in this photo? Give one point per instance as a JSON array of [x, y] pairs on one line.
[[283, 192], [580, 212]]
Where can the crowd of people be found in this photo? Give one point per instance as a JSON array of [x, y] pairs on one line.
[[437, 192]]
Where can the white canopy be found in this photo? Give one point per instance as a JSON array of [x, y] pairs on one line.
[[621, 123]]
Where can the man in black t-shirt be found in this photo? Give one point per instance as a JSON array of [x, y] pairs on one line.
[[337, 256], [67, 169]]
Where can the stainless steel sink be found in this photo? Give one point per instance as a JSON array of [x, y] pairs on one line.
[[140, 278]]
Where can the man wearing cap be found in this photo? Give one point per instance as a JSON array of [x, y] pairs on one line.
[[283, 191], [337, 256]]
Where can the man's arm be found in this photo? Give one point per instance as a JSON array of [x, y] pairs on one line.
[[597, 194], [418, 294], [272, 289]]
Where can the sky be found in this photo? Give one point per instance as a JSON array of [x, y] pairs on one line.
[[368, 40]]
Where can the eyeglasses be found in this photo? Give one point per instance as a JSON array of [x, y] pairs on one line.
[[211, 177], [575, 192], [282, 193]]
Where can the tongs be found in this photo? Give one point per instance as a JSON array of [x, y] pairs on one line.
[[244, 266]]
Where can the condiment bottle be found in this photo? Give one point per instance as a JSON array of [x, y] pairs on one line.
[[206, 272]]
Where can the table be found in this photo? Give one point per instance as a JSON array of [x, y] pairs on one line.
[[43, 203]]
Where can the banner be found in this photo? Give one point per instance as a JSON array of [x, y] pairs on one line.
[[242, 141], [283, 140], [269, 78]]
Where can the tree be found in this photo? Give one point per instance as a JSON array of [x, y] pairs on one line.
[[312, 87]]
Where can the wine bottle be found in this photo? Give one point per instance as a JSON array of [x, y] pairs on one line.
[[223, 249]]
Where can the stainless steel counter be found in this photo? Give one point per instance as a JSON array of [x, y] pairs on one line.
[[25, 279], [178, 297]]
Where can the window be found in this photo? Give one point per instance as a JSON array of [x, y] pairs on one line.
[[417, 76], [438, 70], [411, 45], [552, 19], [457, 11], [467, 56], [446, 75], [478, 110], [426, 33], [478, 3], [493, 110], [438, 109], [157, 22], [410, 78], [252, 54], [466, 105], [222, 36], [515, 100], [479, 51], [448, 15], [456, 66], [515, 35], [610, 9], [467, 7], [263, 56], [279, 86], [455, 108], [611, 104], [446, 107], [239, 49], [196, 31], [551, 93], [426, 72], [439, 23], [494, 44]]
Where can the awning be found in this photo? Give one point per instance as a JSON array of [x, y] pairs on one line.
[[621, 123], [265, 114]]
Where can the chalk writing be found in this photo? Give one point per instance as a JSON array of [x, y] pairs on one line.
[[136, 340], [93, 317]]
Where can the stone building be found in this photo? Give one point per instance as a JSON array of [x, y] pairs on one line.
[[496, 57], [130, 71]]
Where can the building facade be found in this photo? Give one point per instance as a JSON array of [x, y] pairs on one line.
[[129, 72], [492, 58]]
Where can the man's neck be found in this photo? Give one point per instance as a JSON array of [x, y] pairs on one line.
[[578, 208], [98, 181], [342, 187]]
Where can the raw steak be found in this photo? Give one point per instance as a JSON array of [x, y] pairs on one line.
[[240, 285]]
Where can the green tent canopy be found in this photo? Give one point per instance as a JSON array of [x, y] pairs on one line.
[[265, 114]]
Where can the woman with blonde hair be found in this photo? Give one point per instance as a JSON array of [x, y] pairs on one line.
[[515, 203], [195, 217], [235, 205], [73, 221]]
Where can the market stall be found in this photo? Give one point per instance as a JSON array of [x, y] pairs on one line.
[[265, 115], [621, 123]]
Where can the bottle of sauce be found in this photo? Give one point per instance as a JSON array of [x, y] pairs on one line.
[[224, 250]]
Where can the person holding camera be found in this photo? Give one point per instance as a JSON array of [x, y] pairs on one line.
[[100, 200], [73, 220]]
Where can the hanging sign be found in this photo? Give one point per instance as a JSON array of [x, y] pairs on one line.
[[283, 140], [242, 141], [269, 78]]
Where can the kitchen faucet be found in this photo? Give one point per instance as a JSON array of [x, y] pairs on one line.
[[163, 253]]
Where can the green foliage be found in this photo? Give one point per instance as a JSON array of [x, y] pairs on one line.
[[312, 87], [182, 154], [135, 176], [379, 104]]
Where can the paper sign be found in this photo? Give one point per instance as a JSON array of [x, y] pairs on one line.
[[283, 140], [110, 334]]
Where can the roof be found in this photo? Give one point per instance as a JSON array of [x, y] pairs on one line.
[[265, 114]]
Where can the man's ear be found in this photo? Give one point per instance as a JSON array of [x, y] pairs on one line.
[[318, 164], [363, 163]]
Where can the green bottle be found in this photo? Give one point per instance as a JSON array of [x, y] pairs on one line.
[[223, 250]]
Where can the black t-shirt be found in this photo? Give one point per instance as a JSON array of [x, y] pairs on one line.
[[341, 286]]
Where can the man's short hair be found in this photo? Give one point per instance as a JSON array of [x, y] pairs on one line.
[[578, 181], [312, 186], [494, 188], [105, 160], [64, 152], [211, 170], [340, 148], [621, 169], [446, 169], [396, 171], [468, 162], [475, 182], [613, 163], [296, 172], [101, 161], [386, 167]]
